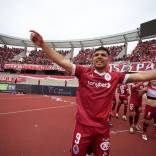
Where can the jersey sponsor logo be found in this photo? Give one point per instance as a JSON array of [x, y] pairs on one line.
[[108, 77], [105, 145], [99, 84], [76, 149]]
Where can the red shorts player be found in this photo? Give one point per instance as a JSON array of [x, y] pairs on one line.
[[123, 99], [137, 90], [97, 85], [92, 126], [150, 108]]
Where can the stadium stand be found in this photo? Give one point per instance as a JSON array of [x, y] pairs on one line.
[[17, 61]]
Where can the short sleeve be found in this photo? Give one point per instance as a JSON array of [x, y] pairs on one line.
[[78, 70], [123, 77]]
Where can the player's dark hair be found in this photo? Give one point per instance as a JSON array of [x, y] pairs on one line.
[[102, 48]]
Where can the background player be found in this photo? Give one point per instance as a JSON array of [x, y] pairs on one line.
[[123, 91], [137, 90]]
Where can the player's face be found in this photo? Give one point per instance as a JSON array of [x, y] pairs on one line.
[[100, 59]]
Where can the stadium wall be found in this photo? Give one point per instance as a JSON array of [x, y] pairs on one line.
[[37, 89]]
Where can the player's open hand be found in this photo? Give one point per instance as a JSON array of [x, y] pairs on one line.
[[36, 38]]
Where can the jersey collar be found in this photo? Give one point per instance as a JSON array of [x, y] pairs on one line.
[[101, 74]]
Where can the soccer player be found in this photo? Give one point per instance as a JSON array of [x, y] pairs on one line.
[[97, 86], [123, 91], [150, 108], [137, 90]]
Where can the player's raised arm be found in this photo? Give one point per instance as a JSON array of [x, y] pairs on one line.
[[142, 76], [37, 39]]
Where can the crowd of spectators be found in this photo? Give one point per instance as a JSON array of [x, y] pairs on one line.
[[36, 57], [144, 51], [84, 56], [6, 53], [39, 58]]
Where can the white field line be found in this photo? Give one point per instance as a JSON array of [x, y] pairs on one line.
[[116, 132], [36, 109], [18, 98], [21, 97], [122, 131]]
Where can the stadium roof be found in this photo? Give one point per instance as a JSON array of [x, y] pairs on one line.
[[90, 42]]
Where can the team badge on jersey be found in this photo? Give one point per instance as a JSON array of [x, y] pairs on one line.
[[105, 145], [75, 149], [107, 76]]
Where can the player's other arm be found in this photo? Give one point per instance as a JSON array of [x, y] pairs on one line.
[[142, 76], [136, 85], [52, 54]]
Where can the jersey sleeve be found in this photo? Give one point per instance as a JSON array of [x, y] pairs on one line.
[[78, 70], [123, 77]]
